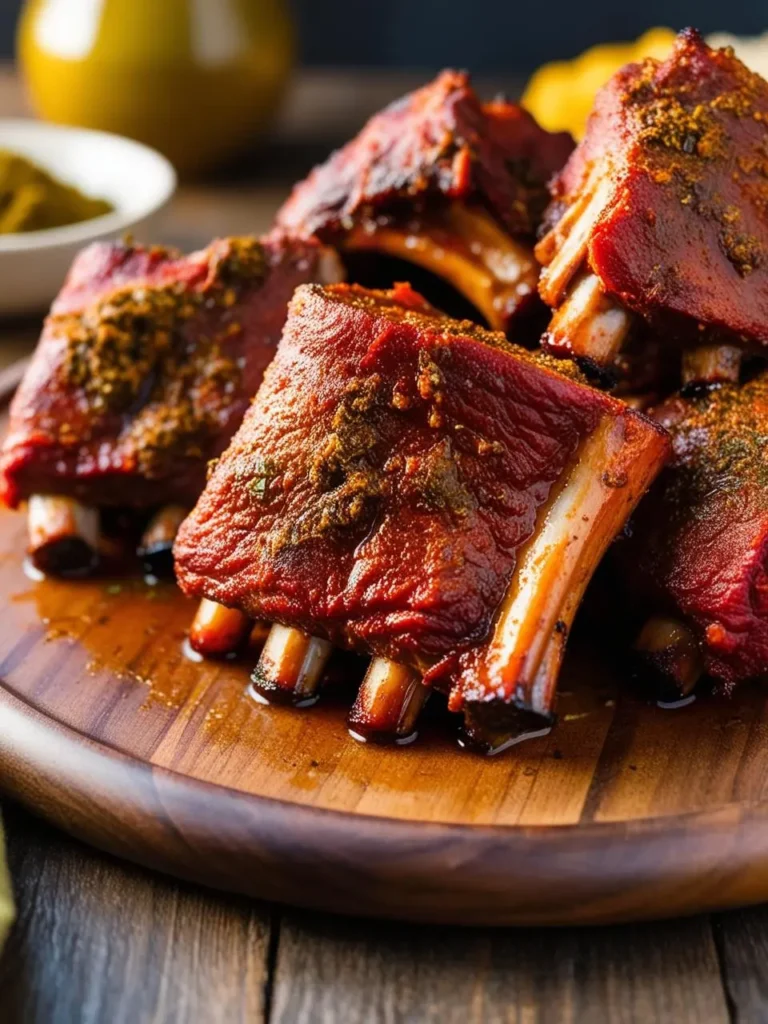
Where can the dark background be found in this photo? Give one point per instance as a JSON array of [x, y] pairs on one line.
[[482, 35]]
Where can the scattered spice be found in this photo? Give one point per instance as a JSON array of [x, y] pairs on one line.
[[130, 353], [434, 478], [682, 130], [346, 471], [720, 441], [264, 470]]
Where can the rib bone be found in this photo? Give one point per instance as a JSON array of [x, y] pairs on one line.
[[563, 250], [712, 364], [520, 663], [156, 547], [465, 247], [63, 535], [668, 658], [218, 631], [291, 666], [388, 703], [589, 324]]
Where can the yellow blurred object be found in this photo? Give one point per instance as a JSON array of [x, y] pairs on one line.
[[31, 199], [196, 79], [560, 95]]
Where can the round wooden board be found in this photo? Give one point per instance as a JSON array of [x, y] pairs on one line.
[[625, 810]]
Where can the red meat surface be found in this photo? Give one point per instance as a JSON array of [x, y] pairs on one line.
[[680, 150], [439, 142], [145, 368], [386, 476], [699, 548]]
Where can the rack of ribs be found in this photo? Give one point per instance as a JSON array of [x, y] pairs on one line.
[[661, 216], [699, 546], [444, 182], [145, 367], [419, 490]]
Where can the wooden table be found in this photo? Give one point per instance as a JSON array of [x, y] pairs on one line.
[[102, 942]]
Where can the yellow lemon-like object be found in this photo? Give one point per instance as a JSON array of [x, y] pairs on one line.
[[560, 95]]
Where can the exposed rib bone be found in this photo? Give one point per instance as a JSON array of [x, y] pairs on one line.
[[588, 324], [218, 631], [465, 247], [259, 634], [562, 251], [668, 658], [63, 535], [712, 364], [330, 269], [521, 661], [291, 666], [156, 547], [388, 703], [491, 730]]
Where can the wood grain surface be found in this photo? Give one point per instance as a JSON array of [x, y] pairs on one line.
[[387, 973], [624, 811], [99, 941]]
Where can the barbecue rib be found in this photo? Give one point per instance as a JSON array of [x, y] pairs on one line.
[[445, 182], [145, 367], [661, 213], [415, 488], [699, 546]]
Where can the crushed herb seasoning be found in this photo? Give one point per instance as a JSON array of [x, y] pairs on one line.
[[131, 354], [680, 133], [721, 445], [435, 479], [264, 471]]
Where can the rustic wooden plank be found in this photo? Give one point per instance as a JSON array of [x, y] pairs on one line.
[[742, 940], [99, 941], [337, 971]]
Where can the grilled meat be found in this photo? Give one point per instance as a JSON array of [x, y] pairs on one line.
[[443, 181], [418, 489], [661, 213], [699, 547], [146, 365]]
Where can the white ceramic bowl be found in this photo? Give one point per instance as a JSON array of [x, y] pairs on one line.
[[136, 180]]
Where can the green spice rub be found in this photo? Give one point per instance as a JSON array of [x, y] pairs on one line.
[[31, 199]]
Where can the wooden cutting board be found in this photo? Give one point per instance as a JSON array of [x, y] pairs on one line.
[[624, 811]]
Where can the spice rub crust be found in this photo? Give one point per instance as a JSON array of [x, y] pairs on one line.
[[700, 543], [386, 475], [145, 368], [680, 148]]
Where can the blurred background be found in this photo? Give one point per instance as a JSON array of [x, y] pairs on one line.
[[243, 97], [492, 36]]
